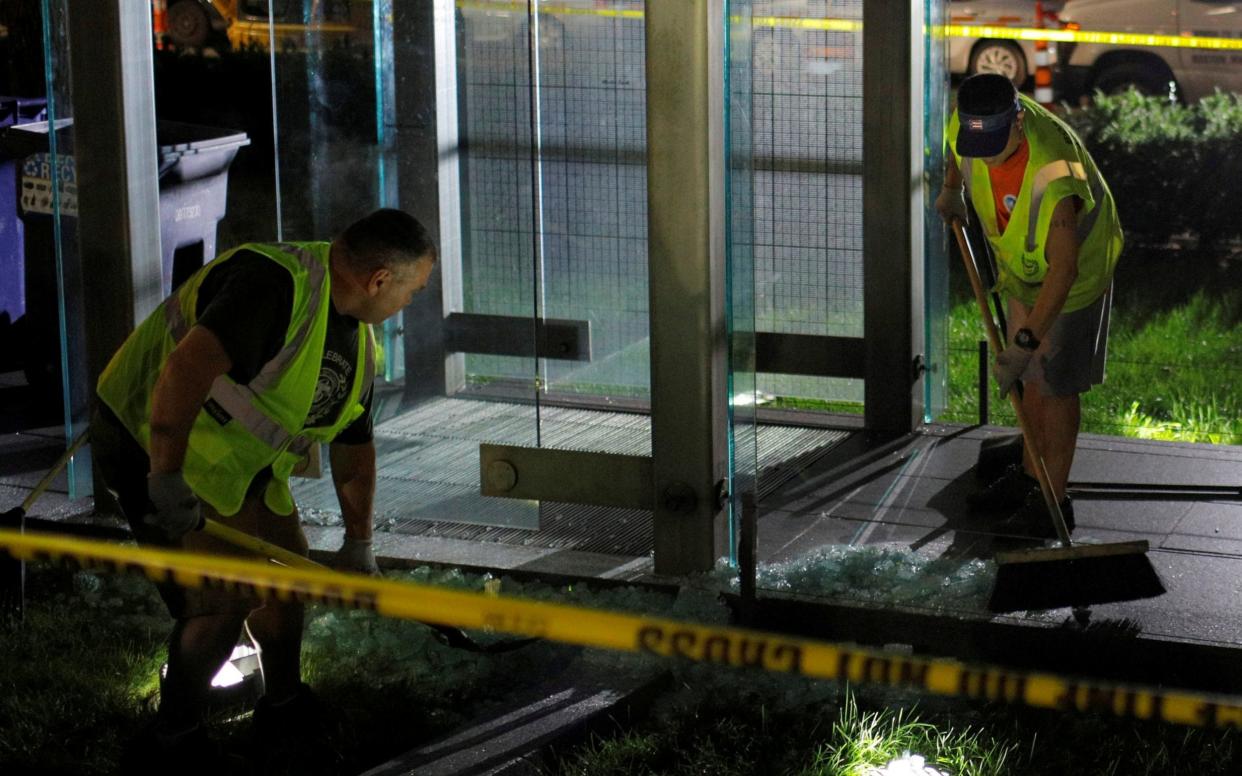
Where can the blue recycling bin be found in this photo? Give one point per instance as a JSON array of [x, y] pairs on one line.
[[193, 164], [13, 110]]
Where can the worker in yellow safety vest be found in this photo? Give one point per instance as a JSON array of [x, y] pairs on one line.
[[206, 410], [1052, 225]]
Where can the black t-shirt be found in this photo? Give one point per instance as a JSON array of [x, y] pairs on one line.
[[246, 302]]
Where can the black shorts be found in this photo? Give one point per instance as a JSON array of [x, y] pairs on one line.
[[123, 467]]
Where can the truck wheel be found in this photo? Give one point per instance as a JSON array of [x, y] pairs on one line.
[[1152, 80], [999, 56], [188, 24]]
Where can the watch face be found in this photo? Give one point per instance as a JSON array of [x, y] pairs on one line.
[[1025, 339]]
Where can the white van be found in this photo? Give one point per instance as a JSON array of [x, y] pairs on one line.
[[1182, 73]]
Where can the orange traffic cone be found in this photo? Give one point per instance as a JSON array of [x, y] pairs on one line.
[[1043, 64], [159, 22]]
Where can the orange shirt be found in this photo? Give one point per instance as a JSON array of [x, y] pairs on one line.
[[1007, 183]]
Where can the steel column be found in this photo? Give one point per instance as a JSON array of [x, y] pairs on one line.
[[686, 255], [429, 187], [893, 213], [118, 186]]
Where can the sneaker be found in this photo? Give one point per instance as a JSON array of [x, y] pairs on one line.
[[154, 751], [1033, 518], [1011, 490], [296, 736]]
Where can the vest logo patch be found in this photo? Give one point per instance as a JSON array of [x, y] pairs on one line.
[[217, 413]]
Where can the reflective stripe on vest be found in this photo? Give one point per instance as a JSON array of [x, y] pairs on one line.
[[238, 400], [1059, 167], [264, 429], [1044, 176]]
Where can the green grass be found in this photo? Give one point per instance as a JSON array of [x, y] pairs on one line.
[[78, 678], [814, 405], [862, 741], [77, 675], [782, 727], [1170, 375]]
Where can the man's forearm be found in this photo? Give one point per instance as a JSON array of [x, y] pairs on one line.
[[1051, 299], [353, 474], [1061, 249], [952, 175]]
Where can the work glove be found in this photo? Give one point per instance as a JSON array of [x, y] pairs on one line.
[[951, 204], [356, 555], [1010, 365], [177, 510]]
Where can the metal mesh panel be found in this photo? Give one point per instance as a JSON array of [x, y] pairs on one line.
[[429, 473], [808, 179], [591, 260]]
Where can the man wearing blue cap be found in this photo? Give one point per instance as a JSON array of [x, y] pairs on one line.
[[1053, 227]]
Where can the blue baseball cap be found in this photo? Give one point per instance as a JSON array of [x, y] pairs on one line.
[[986, 107]]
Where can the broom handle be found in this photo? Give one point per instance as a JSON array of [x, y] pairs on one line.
[[53, 472], [218, 530], [1032, 447], [453, 636]]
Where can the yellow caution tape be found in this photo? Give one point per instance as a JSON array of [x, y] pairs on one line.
[[807, 23], [856, 25], [545, 9], [631, 633], [548, 9], [1091, 36]]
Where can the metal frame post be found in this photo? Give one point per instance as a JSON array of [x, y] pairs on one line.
[[117, 174], [429, 185], [893, 214], [686, 255]]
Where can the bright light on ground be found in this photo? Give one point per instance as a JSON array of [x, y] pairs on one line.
[[229, 674], [906, 765]]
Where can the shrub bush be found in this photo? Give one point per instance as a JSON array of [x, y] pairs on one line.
[[1173, 169]]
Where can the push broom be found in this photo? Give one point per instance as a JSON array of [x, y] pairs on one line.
[[1071, 574]]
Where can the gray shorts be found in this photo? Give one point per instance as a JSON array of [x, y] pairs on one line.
[[1071, 356]]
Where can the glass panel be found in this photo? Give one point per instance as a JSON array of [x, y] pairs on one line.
[[937, 259], [743, 447], [589, 155], [55, 364], [808, 184], [499, 170], [591, 140], [315, 85]]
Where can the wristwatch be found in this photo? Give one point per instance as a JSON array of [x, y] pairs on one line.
[[1025, 339]]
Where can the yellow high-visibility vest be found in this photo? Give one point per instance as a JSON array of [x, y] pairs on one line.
[[243, 429], [1059, 167]]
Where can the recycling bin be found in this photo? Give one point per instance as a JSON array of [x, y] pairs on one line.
[[193, 164], [13, 110], [194, 178]]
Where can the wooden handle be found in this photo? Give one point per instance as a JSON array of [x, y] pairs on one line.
[[256, 545], [53, 472], [1032, 447]]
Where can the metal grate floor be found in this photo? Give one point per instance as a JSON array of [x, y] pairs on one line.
[[429, 474]]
